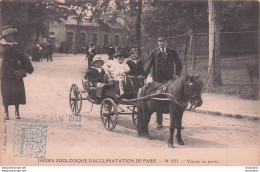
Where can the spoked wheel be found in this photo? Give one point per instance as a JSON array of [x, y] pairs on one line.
[[75, 99], [108, 114], [134, 116]]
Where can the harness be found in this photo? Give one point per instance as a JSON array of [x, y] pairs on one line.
[[169, 97]]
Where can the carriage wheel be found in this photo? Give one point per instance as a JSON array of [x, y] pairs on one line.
[[134, 116], [75, 99], [108, 114]]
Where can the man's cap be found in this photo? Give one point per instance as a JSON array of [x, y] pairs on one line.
[[91, 44], [162, 35], [7, 30]]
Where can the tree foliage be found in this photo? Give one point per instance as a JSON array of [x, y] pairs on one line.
[[175, 17], [184, 16]]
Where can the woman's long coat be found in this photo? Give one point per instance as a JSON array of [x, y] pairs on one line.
[[12, 89]]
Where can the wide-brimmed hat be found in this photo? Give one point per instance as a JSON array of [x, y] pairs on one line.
[[120, 54], [7, 30], [96, 59]]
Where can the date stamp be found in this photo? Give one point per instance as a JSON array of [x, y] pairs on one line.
[[30, 140]]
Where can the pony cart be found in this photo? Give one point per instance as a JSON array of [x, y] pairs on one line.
[[105, 94], [172, 97]]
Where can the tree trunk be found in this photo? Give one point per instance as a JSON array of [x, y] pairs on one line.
[[214, 73], [78, 29], [76, 39], [138, 23], [193, 37], [193, 48]]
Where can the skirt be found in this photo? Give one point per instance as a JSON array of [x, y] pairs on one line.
[[13, 91]]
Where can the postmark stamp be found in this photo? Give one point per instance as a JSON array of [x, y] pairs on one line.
[[30, 140]]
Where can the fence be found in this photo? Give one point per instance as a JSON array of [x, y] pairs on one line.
[[239, 52]]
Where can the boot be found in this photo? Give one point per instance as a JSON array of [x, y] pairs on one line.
[[17, 115], [6, 116]]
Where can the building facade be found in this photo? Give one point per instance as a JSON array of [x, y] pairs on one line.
[[100, 33]]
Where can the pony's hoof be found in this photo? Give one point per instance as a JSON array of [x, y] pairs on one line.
[[170, 145], [181, 142], [148, 137], [140, 134]]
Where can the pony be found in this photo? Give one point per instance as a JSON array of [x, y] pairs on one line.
[[173, 97]]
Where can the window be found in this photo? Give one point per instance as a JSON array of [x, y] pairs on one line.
[[82, 39], [116, 40], [69, 40], [94, 38], [106, 40]]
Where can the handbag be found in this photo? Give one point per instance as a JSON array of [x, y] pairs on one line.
[[20, 73]]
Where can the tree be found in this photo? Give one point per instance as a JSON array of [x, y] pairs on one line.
[[214, 73], [175, 17], [28, 17], [128, 13], [79, 9]]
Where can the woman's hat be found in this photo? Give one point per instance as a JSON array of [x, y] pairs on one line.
[[120, 54], [7, 30], [133, 47], [96, 59]]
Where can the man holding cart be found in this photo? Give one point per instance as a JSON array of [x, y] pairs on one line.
[[166, 66]]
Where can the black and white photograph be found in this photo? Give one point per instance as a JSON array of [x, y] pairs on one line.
[[129, 83]]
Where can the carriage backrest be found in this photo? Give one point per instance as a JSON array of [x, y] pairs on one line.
[[132, 84]]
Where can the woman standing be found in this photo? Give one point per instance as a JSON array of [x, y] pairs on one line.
[[15, 65]]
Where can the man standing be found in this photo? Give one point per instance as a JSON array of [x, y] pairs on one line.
[[49, 50], [111, 52], [91, 52], [166, 66]]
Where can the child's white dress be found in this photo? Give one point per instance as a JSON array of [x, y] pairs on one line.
[[117, 71]]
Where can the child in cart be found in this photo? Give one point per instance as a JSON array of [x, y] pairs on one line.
[[117, 69], [95, 73]]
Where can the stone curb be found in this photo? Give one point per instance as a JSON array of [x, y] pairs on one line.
[[231, 115]]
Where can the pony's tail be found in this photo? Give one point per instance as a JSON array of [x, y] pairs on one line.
[[140, 111]]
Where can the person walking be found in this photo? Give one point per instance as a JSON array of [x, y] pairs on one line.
[[49, 50], [91, 52], [166, 66], [15, 65], [111, 52]]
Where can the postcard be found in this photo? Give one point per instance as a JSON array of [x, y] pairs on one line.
[[129, 83]]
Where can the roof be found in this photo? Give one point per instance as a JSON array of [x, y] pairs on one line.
[[71, 20]]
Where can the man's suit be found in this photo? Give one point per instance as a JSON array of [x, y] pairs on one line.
[[163, 61], [163, 65]]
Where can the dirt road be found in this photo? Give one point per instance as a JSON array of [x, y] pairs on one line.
[[47, 91]]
